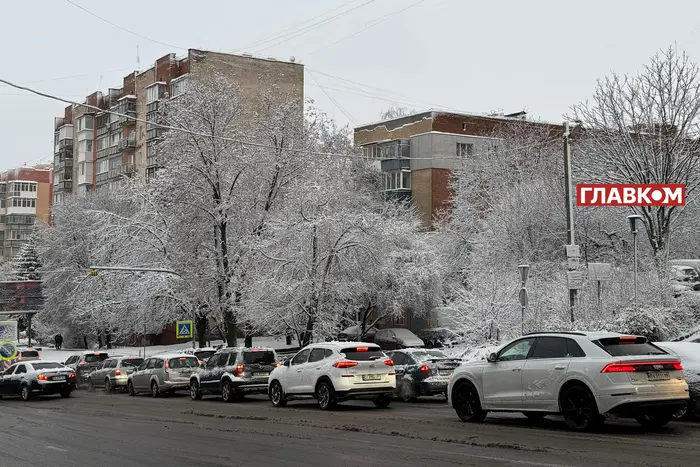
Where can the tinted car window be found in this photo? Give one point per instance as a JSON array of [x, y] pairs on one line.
[[398, 358], [182, 362], [30, 354], [91, 358], [517, 350], [620, 347], [132, 362], [317, 355], [46, 366], [550, 347], [20, 369], [204, 354], [363, 354], [159, 363], [260, 357], [574, 349], [10, 370], [301, 357], [428, 355], [150, 363]]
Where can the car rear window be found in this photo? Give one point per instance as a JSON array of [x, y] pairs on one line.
[[628, 346], [132, 362], [260, 357], [362, 354], [29, 353], [46, 366], [204, 354], [428, 355], [91, 358], [183, 362]]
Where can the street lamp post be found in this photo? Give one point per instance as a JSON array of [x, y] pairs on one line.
[[633, 227]]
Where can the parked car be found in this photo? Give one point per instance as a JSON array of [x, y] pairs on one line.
[[422, 372], [440, 337], [582, 375], [37, 378], [689, 354], [202, 353], [684, 279], [113, 373], [85, 363], [397, 338], [352, 334], [333, 372], [25, 354], [234, 372], [165, 373]]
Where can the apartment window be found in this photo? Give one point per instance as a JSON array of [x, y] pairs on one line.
[[152, 93], [465, 149], [21, 235], [2, 218], [115, 163], [2, 203], [23, 203], [82, 169], [405, 179], [102, 166], [179, 87], [102, 143], [85, 123]]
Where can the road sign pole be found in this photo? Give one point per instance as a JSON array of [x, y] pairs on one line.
[[522, 296]]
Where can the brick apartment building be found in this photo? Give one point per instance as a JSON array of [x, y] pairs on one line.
[[97, 149], [418, 152], [25, 199]]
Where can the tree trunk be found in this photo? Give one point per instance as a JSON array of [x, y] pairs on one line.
[[248, 340], [201, 326], [108, 337]]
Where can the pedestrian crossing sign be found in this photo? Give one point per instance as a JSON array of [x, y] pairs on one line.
[[183, 330]]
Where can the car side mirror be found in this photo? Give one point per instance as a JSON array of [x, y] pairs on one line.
[[287, 363], [492, 358]]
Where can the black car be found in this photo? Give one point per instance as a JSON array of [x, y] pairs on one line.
[[234, 372], [422, 372], [85, 363], [440, 337], [28, 379]]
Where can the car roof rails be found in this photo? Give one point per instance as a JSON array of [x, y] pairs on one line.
[[571, 333]]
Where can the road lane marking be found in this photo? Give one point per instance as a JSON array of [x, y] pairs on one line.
[[56, 449]]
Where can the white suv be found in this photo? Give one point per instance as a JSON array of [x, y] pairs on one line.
[[333, 372], [581, 375]]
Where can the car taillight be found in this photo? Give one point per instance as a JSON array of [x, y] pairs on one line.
[[72, 375], [42, 378], [278, 364], [82, 363], [344, 364], [238, 371], [389, 362], [167, 365], [117, 372], [631, 367], [424, 369]]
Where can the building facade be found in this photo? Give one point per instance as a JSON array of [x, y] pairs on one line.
[[417, 153], [25, 199], [94, 149]]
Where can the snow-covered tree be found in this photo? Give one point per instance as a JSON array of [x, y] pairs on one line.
[[26, 264]]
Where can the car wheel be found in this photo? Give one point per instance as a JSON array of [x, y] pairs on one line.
[[654, 420], [465, 400], [382, 402], [25, 393], [405, 391], [580, 409], [130, 388], [195, 393], [155, 392], [535, 416], [108, 386], [66, 393], [91, 387], [681, 414], [277, 395], [325, 395], [227, 391]]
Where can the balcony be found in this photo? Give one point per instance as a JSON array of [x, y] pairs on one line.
[[390, 165], [100, 178], [64, 148], [127, 169], [114, 126], [65, 164], [127, 109], [128, 143], [65, 185]]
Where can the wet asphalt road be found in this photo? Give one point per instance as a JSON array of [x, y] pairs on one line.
[[115, 430]]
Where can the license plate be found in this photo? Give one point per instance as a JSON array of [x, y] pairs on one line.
[[659, 376], [261, 373], [59, 378], [371, 377], [445, 372]]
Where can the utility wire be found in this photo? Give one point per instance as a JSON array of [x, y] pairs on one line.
[[333, 100], [243, 142]]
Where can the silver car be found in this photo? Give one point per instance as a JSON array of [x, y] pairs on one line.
[[165, 373], [113, 373]]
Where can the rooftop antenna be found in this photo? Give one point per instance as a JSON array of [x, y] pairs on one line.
[[138, 59]]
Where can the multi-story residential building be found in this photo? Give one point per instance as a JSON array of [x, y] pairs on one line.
[[98, 148], [25, 199], [418, 152]]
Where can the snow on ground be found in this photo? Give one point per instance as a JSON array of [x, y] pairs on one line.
[[49, 353]]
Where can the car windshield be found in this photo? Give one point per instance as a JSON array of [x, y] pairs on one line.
[[405, 333], [258, 357], [204, 354], [363, 354], [183, 362], [132, 362], [428, 355], [29, 354], [629, 346], [47, 366], [98, 357]]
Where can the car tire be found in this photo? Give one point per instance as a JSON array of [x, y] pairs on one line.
[[465, 400], [130, 388], [195, 393], [535, 416], [108, 386], [227, 391], [682, 414], [405, 391], [155, 392], [277, 395], [654, 421], [579, 408], [382, 402], [25, 393], [66, 393], [325, 395]]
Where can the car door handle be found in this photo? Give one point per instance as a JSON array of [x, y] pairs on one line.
[[560, 367], [318, 367], [299, 371], [517, 369]]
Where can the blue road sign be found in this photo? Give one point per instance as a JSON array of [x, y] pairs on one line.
[[184, 329]]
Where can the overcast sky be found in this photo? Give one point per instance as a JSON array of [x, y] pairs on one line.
[[540, 56]]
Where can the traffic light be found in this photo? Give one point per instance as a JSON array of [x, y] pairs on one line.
[[93, 272]]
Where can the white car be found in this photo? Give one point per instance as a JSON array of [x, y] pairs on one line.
[[333, 372], [583, 376]]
